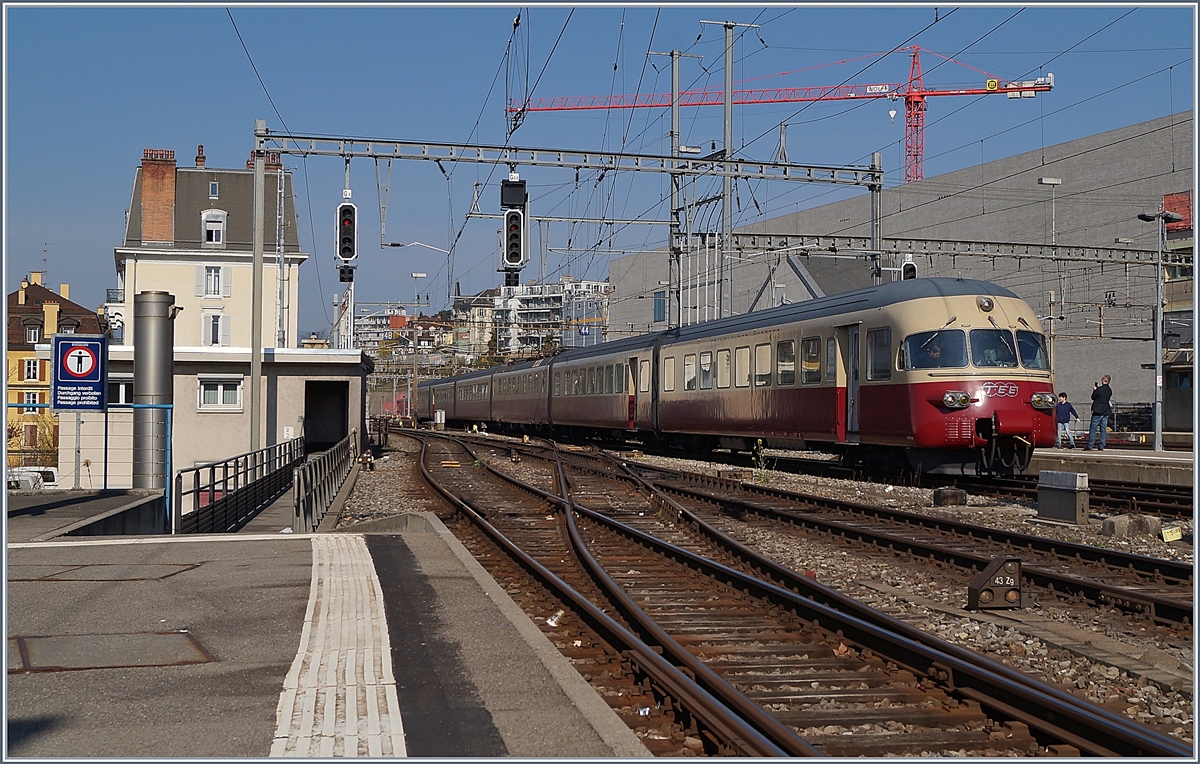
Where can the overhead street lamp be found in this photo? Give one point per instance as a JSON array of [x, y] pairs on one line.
[[412, 398], [1163, 216]]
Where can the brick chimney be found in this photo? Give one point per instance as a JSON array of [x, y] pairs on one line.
[[50, 312], [200, 155], [21, 292], [158, 196], [35, 277], [274, 161], [64, 291]]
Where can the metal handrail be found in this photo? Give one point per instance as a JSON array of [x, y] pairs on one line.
[[227, 493], [318, 481]]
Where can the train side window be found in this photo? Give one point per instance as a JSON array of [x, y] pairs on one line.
[[830, 359], [785, 361], [689, 371], [762, 365], [706, 371], [668, 372], [557, 383], [810, 361], [723, 369], [619, 378], [591, 380], [1032, 348], [644, 375], [608, 379], [577, 382], [741, 366], [879, 354]]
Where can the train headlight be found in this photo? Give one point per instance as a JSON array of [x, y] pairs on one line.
[[956, 400], [986, 304], [1043, 400]]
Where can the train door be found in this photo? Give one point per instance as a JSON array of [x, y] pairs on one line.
[[851, 365], [630, 371]]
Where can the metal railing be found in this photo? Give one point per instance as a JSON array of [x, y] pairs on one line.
[[225, 495], [318, 481]]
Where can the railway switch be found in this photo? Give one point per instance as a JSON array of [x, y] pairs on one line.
[[998, 586]]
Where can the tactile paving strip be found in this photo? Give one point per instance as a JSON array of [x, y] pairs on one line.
[[339, 698]]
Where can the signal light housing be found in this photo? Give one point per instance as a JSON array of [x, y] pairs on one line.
[[514, 250], [998, 586], [908, 270], [346, 244]]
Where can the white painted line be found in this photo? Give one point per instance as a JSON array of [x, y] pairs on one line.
[[336, 693]]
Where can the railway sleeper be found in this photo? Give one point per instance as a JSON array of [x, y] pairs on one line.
[[863, 743], [934, 717]]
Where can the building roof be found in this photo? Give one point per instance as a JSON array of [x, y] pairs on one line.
[[83, 321], [235, 196]]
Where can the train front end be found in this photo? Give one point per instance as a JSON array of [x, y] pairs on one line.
[[980, 385]]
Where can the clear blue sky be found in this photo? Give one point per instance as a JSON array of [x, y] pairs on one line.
[[87, 88]]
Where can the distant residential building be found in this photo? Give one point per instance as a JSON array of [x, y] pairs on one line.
[[189, 231], [35, 314], [528, 319]]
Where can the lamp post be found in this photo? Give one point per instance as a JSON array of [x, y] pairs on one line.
[[1162, 216], [1053, 183], [412, 398]]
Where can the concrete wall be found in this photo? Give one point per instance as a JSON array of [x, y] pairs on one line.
[[1107, 179], [200, 434]]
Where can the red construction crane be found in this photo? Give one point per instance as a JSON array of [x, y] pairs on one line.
[[913, 92]]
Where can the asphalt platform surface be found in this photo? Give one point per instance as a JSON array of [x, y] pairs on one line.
[[392, 643]]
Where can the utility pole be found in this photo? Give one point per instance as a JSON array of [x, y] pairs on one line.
[[724, 269], [676, 240], [260, 155]]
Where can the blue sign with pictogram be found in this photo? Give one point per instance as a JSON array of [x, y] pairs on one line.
[[80, 381]]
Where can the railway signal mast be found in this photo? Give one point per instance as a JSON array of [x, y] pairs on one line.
[[914, 93]]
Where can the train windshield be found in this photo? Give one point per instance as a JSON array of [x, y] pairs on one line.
[[993, 348], [942, 349], [1032, 347]]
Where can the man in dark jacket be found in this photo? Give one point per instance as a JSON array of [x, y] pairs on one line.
[[1101, 411], [1062, 414]]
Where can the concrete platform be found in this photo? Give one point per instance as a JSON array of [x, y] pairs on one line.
[[1114, 463], [389, 644]]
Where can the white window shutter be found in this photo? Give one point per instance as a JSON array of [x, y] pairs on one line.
[[225, 330], [205, 322], [226, 273], [199, 280]]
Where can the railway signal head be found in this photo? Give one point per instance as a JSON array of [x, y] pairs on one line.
[[908, 270], [515, 251], [998, 586], [347, 231]]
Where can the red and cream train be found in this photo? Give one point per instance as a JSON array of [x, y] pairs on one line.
[[943, 375]]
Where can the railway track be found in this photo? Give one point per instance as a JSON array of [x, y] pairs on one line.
[[1167, 501], [1150, 586], [774, 650]]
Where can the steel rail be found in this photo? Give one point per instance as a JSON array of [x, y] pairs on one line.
[[965, 671], [1164, 608], [985, 680], [778, 732], [1067, 550], [716, 716]]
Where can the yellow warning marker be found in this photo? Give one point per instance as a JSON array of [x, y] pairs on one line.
[[450, 463]]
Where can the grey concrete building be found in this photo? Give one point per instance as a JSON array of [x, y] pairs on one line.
[[1100, 279]]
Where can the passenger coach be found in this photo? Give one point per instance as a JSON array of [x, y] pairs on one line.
[[937, 374]]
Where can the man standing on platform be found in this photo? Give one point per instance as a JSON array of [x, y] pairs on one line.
[[1101, 411]]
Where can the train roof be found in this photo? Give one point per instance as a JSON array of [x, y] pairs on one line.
[[867, 298], [878, 296]]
